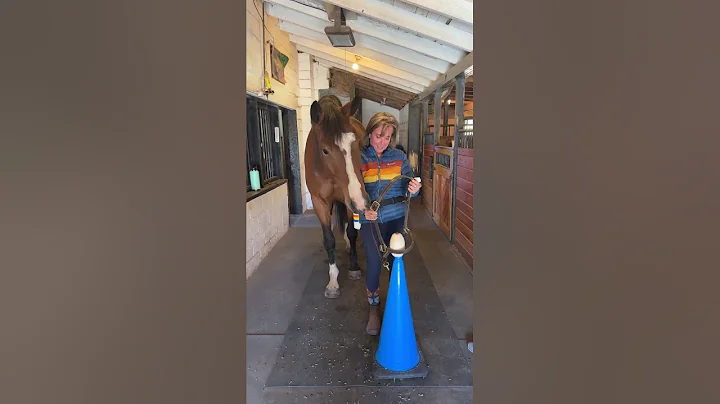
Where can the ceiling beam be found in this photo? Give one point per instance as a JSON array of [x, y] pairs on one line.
[[402, 56], [457, 9], [315, 48], [378, 30], [391, 95], [309, 27], [382, 89], [428, 76], [399, 17], [369, 70], [364, 73], [447, 77], [388, 102], [419, 44], [395, 102]]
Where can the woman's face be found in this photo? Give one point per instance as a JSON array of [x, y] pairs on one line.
[[380, 138]]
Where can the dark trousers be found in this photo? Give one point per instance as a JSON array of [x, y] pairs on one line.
[[371, 244]]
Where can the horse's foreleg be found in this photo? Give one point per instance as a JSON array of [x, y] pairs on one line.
[[332, 290], [351, 235], [323, 212]]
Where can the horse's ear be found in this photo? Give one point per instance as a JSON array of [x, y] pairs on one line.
[[315, 112], [352, 107]]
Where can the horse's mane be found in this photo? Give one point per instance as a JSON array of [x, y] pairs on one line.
[[333, 119]]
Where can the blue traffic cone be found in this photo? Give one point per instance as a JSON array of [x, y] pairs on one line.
[[398, 355]]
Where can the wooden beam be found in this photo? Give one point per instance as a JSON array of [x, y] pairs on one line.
[[392, 103], [402, 18], [447, 77], [385, 32], [419, 44], [457, 9], [459, 123], [383, 92], [366, 82], [313, 28], [460, 106], [374, 72], [381, 96], [376, 85], [313, 39], [328, 63], [436, 109], [362, 62], [425, 118]]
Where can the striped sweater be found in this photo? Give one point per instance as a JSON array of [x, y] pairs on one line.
[[378, 172]]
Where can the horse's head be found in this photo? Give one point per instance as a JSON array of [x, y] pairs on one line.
[[337, 148]]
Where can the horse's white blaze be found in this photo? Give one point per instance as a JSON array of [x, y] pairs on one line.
[[333, 284], [354, 188]]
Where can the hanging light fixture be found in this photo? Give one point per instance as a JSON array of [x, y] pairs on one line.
[[340, 35]]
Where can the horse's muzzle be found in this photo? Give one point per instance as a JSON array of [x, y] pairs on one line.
[[356, 209]]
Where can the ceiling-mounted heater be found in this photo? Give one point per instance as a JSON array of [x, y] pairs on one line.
[[340, 35]]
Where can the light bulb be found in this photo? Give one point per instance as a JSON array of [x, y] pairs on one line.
[[355, 66]]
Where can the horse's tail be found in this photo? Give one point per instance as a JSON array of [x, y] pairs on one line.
[[341, 218]]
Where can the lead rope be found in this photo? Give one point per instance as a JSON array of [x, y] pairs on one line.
[[383, 250]]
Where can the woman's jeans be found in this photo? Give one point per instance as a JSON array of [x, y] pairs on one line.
[[371, 244]]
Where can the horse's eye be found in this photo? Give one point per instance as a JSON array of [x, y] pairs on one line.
[[325, 151]]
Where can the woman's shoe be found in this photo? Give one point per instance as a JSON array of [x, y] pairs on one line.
[[373, 324]]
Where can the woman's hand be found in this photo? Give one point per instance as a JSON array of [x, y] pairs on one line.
[[414, 186], [370, 215]]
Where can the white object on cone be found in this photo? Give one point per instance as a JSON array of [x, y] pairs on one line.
[[397, 243]]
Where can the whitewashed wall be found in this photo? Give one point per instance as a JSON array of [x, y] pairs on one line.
[[285, 94], [268, 214], [370, 108], [268, 219]]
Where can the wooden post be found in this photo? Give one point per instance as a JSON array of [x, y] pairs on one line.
[[459, 105], [437, 106], [425, 118], [459, 123]]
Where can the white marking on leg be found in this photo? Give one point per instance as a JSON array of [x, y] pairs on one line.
[[345, 142], [333, 284], [347, 240]]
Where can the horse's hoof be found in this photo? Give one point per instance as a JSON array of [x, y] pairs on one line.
[[332, 293], [355, 275]]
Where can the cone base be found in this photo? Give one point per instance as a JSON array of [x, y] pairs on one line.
[[420, 371]]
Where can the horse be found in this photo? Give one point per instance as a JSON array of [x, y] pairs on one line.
[[334, 179]]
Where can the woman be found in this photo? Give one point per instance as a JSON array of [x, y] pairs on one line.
[[381, 162]]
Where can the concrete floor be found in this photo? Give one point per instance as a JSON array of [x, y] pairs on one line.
[[274, 290]]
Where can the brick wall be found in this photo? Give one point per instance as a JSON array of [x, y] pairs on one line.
[[268, 219]]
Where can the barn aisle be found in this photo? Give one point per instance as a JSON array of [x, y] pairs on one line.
[[303, 347]]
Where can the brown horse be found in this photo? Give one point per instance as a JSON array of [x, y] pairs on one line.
[[333, 177]]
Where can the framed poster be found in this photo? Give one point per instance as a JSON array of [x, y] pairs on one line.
[[278, 61]]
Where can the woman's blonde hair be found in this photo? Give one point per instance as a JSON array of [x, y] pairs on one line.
[[381, 120]]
